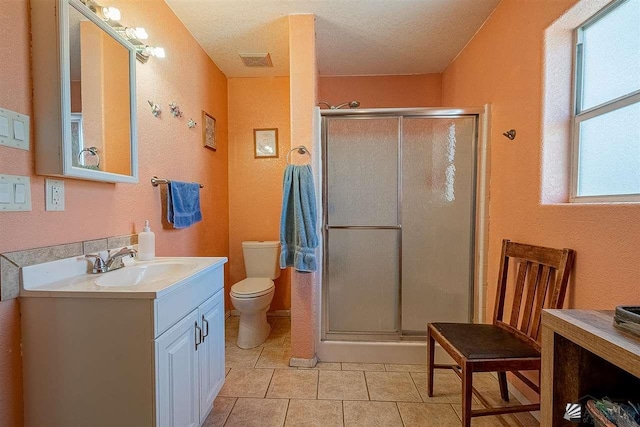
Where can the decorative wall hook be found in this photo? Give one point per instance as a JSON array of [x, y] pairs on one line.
[[175, 110], [191, 123], [511, 134], [155, 109]]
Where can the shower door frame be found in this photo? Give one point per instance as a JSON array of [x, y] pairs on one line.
[[399, 114]]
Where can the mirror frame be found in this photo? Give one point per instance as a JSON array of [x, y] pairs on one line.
[[65, 97]]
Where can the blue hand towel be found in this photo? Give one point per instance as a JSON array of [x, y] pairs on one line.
[[298, 236], [183, 203]]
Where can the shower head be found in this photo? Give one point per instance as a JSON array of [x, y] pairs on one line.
[[351, 104]]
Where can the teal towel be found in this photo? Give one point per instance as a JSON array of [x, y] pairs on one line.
[[183, 204], [298, 236]]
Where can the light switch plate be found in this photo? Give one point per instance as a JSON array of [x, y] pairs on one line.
[[5, 193], [19, 194], [4, 127], [14, 129], [12, 200], [54, 194]]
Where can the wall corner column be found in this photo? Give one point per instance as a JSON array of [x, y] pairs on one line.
[[303, 95]]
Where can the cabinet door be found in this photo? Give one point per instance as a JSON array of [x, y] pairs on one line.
[[177, 374], [211, 352]]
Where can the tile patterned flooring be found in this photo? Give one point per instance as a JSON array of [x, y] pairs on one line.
[[262, 390]]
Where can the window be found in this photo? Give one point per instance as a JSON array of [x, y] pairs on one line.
[[606, 121]]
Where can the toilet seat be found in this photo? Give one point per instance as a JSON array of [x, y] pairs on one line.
[[252, 287]]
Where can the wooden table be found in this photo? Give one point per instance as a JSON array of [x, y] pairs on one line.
[[583, 354]]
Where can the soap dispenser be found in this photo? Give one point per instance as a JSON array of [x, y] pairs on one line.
[[146, 243]]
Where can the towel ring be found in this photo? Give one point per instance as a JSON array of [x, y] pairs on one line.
[[301, 150], [91, 150]]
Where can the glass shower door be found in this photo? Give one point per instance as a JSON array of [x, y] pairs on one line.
[[362, 225], [399, 195], [438, 188]]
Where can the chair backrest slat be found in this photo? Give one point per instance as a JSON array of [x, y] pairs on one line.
[[502, 285], [562, 278], [532, 283], [541, 295], [543, 273], [517, 296]]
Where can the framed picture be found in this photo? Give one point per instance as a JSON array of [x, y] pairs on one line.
[[209, 131], [266, 143]]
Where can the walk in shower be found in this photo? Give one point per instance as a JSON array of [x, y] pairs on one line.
[[398, 196]]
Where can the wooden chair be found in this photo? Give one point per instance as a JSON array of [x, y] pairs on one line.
[[510, 345]]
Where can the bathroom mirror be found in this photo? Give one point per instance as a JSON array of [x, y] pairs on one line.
[[93, 134]]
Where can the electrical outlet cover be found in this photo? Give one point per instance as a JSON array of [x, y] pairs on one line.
[[54, 194]]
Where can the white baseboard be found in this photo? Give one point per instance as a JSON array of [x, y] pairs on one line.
[[277, 313]]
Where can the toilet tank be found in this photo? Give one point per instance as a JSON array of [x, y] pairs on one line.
[[262, 259]]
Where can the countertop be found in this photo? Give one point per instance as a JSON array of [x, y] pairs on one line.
[[68, 279]]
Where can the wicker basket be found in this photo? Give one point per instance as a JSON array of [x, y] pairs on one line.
[[599, 419]]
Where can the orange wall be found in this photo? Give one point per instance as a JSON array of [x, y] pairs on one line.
[[167, 148], [507, 71], [255, 185], [423, 90], [503, 65]]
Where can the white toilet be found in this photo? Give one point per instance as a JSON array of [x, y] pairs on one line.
[[252, 296]]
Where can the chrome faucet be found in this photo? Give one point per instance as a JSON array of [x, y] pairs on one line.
[[114, 261]]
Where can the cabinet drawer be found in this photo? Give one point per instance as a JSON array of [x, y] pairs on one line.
[[172, 307]]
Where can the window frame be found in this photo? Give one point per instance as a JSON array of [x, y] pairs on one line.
[[578, 115]]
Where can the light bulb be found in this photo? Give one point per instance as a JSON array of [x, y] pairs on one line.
[[111, 14], [141, 33], [158, 52], [138, 33]]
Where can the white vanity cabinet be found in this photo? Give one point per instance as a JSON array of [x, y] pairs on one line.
[[116, 357], [190, 365]]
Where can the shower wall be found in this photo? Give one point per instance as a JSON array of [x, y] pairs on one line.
[[399, 196]]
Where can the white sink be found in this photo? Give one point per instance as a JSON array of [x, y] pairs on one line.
[[144, 274]]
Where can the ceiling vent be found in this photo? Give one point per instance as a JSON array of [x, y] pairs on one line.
[[256, 59]]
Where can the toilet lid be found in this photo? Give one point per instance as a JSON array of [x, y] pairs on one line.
[[252, 287]]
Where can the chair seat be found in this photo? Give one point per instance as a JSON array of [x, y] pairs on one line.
[[480, 341]]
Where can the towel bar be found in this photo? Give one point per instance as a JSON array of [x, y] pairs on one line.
[[155, 181]]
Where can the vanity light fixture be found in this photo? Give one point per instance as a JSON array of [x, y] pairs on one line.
[[112, 16], [105, 13]]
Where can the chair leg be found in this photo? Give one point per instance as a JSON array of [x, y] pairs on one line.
[[504, 389], [467, 393], [431, 348]]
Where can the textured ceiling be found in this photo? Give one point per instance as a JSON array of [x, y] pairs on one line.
[[353, 37]]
